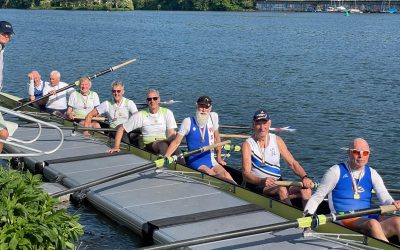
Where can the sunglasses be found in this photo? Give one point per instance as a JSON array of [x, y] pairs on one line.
[[357, 153], [149, 99], [116, 91]]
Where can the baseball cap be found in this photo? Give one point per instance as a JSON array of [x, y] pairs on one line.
[[6, 27], [204, 100], [261, 114]]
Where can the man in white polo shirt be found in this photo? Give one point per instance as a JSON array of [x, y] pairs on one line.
[[57, 102]]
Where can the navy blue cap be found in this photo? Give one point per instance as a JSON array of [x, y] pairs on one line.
[[6, 27], [261, 114], [204, 100]]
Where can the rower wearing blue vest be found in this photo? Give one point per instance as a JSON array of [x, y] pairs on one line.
[[202, 130], [261, 155], [35, 89], [349, 187]]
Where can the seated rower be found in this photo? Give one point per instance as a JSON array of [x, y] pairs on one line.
[[35, 89], [117, 111], [156, 123], [81, 102], [349, 187], [261, 162], [202, 130], [57, 102]]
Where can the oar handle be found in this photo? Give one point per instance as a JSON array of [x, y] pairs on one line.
[[234, 136], [219, 144], [388, 209], [293, 184], [123, 64], [94, 118]]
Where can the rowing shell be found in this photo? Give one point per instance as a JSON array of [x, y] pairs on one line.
[[269, 204]]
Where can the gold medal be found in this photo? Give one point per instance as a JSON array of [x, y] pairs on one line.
[[356, 196]]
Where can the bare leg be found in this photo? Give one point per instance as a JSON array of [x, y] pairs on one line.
[[304, 194], [282, 192], [391, 226], [221, 172], [3, 136], [370, 227]]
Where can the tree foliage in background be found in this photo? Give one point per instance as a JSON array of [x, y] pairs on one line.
[[28, 217], [68, 4], [203, 5], [215, 5]]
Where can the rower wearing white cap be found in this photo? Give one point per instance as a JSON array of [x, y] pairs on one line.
[[261, 155], [202, 130]]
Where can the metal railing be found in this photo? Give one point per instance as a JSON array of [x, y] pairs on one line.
[[17, 142]]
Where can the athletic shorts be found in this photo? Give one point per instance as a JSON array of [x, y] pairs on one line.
[[350, 221]]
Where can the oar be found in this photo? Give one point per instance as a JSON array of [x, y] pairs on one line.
[[77, 82], [234, 136], [304, 222], [315, 185], [288, 129], [94, 118], [76, 128], [164, 102], [156, 164]]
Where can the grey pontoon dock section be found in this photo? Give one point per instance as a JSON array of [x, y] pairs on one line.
[[163, 207]]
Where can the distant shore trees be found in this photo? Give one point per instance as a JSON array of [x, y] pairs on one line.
[[200, 5]]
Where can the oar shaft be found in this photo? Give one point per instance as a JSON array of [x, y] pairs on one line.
[[292, 183], [234, 136], [77, 82], [299, 223], [106, 179], [157, 163]]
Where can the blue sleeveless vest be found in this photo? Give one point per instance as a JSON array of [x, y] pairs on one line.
[[193, 140], [38, 93], [343, 194]]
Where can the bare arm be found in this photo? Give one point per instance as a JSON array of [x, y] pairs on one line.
[[293, 164], [174, 145], [117, 139], [171, 133], [218, 150]]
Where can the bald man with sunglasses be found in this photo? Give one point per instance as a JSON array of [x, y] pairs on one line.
[[349, 187]]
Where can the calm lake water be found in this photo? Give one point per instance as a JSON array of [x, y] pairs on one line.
[[331, 77]]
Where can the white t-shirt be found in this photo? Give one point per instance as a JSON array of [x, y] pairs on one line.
[[185, 126], [59, 100], [330, 180], [82, 105], [154, 126], [117, 114]]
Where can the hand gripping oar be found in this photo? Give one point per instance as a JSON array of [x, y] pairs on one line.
[[156, 164], [304, 222], [315, 185], [77, 82]]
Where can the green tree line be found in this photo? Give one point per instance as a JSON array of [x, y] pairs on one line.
[[202, 5]]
